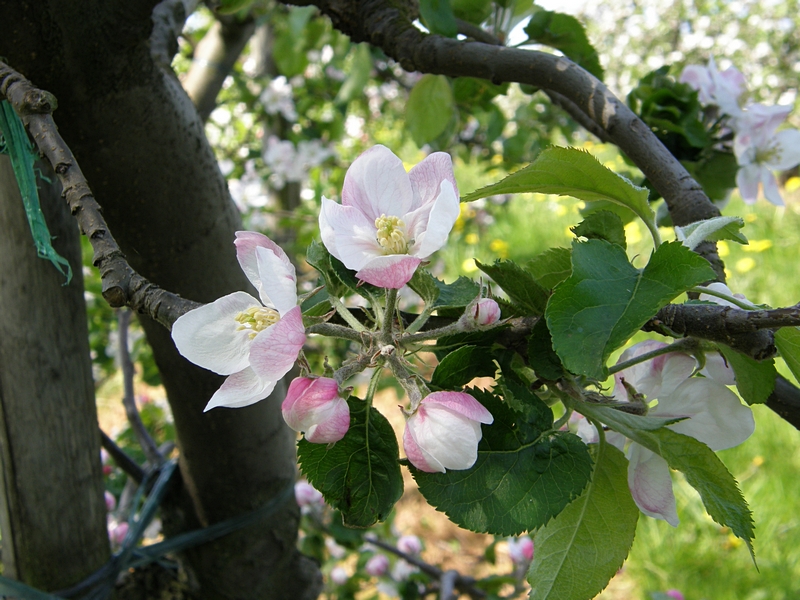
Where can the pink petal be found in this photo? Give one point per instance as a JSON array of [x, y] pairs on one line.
[[654, 377], [208, 336], [348, 234], [333, 424], [444, 437], [698, 78], [440, 221], [241, 389], [391, 271], [426, 178], [279, 283], [651, 484], [460, 403], [274, 350], [417, 456], [377, 184], [315, 407], [246, 243]]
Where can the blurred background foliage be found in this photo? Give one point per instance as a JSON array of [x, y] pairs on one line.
[[303, 102]]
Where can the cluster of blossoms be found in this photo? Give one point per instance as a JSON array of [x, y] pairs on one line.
[[758, 146], [388, 223], [290, 163]]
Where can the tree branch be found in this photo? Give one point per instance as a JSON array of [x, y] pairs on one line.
[[785, 401], [122, 286]]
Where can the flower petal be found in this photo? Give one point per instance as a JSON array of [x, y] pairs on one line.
[[209, 337], [246, 243], [655, 377], [441, 219], [747, 179], [717, 368], [348, 234], [333, 425], [651, 484], [315, 407], [390, 271], [787, 150], [426, 178], [377, 184], [462, 404], [445, 437], [274, 350], [241, 389], [278, 281], [419, 457], [770, 185], [718, 417]]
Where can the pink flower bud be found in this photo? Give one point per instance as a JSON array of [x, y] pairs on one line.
[[117, 532], [377, 565], [485, 311], [444, 432], [315, 407], [306, 494], [339, 576], [409, 544], [675, 594], [111, 501], [107, 469], [521, 550]]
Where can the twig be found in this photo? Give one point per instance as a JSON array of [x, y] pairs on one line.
[[121, 284], [147, 443], [124, 462], [447, 584], [463, 582]]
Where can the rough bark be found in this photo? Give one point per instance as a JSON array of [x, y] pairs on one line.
[[51, 490], [141, 145]]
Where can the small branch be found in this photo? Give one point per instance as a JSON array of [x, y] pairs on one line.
[[124, 462], [337, 331], [681, 345], [785, 401], [122, 286], [477, 33], [463, 582], [447, 584], [149, 447], [580, 117]]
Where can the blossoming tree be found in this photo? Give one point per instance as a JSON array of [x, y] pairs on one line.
[[551, 449]]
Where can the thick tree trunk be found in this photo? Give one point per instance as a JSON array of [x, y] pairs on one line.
[[52, 512], [141, 145]]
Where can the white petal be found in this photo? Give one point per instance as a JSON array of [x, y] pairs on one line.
[[770, 185], [426, 178], [348, 235], [787, 147], [377, 184], [442, 217], [747, 179], [651, 484], [278, 281], [274, 350], [208, 335], [241, 389], [718, 369], [718, 417], [448, 437], [246, 244]]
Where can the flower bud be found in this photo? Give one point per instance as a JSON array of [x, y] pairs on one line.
[[409, 544], [111, 501], [485, 311], [444, 432], [520, 550], [117, 532], [306, 494], [315, 407], [377, 565], [339, 576]]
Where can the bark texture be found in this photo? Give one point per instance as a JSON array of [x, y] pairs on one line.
[[140, 143], [52, 512]]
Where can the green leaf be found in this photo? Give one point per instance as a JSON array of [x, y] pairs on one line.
[[755, 380], [438, 17], [228, 7], [579, 551], [712, 230], [457, 294], [573, 172], [319, 258], [472, 11], [461, 366], [564, 33], [602, 225], [360, 474], [788, 342], [703, 469], [518, 284], [425, 285], [551, 267], [525, 474], [358, 76], [606, 299], [541, 356], [429, 108]]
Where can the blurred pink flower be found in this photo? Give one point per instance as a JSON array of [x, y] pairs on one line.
[[377, 565], [117, 532], [674, 594], [315, 407], [307, 495], [520, 550], [409, 544], [722, 89], [339, 576], [389, 221], [111, 501]]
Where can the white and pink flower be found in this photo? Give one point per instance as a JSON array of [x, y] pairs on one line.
[[484, 312], [410, 544], [444, 432], [389, 221], [520, 550], [722, 89], [377, 565], [314, 406], [711, 413], [254, 342]]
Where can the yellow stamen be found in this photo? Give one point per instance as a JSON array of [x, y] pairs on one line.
[[391, 235], [256, 319]]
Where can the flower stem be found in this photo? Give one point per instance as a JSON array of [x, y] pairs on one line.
[[407, 381], [373, 386], [345, 314], [732, 299], [388, 316], [681, 345], [337, 331]]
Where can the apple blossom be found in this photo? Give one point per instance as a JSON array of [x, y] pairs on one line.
[[409, 544], [254, 343], [377, 565], [315, 407], [307, 495], [520, 550], [722, 89], [389, 221], [760, 150], [117, 532], [484, 312], [339, 576], [111, 501], [444, 432], [711, 414]]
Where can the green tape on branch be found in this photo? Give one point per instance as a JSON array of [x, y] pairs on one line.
[[14, 142]]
